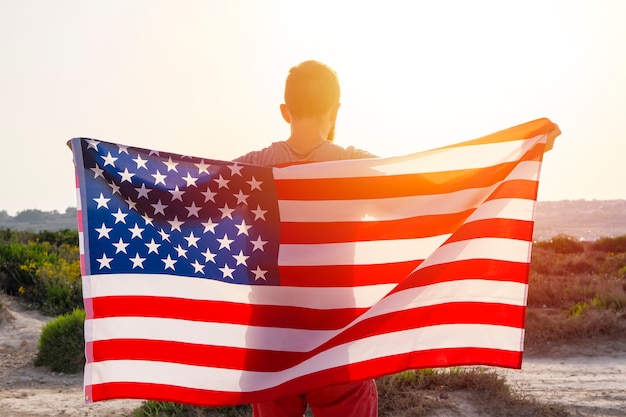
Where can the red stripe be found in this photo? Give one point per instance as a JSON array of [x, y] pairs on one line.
[[390, 186], [79, 215], [333, 232], [412, 228], [224, 312], [498, 228], [488, 269], [273, 361], [524, 189], [357, 371]]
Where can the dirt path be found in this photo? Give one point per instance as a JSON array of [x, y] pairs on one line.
[[589, 380]]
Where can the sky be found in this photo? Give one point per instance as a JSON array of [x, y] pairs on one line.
[[205, 78]]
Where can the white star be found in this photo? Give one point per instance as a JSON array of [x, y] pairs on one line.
[[153, 246], [182, 253], [226, 211], [141, 163], [102, 202], [177, 194], [190, 180], [119, 216], [171, 166], [122, 149], [209, 256], [136, 231], [159, 207], [225, 242], [169, 262], [198, 267], [192, 240], [209, 195], [126, 176], [104, 261], [137, 261], [241, 197], [235, 169], [255, 184], [143, 191], [258, 213], [153, 152], [109, 160], [193, 210], [258, 244], [202, 167], [259, 274], [103, 231], [164, 236], [93, 144], [131, 204], [227, 271], [114, 188], [209, 225], [97, 172], [175, 223], [221, 182], [120, 246], [243, 228], [241, 258], [147, 219], [159, 178]]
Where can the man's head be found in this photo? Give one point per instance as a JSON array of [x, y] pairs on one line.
[[311, 90]]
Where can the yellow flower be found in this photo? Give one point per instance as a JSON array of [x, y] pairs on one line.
[[21, 290]]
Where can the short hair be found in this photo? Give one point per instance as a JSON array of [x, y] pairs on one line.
[[311, 89]]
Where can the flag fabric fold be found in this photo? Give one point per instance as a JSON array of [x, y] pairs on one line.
[[218, 283]]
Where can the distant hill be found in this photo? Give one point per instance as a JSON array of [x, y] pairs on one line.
[[37, 220], [584, 219]]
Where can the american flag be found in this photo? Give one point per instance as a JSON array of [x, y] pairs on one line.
[[217, 283]]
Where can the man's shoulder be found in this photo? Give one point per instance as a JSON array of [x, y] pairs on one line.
[[260, 156]]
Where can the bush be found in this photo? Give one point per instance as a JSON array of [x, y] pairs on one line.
[[45, 275], [610, 244], [562, 244], [62, 343]]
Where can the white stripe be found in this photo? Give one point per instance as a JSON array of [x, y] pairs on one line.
[[511, 250], [296, 340], [359, 253], [504, 208], [78, 200], [436, 160], [230, 380], [158, 285], [396, 208]]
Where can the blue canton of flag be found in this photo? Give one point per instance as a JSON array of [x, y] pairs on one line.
[[152, 212]]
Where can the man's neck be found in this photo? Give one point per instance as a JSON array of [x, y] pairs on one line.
[[306, 134]]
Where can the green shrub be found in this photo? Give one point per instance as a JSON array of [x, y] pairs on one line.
[[45, 275], [562, 244], [62, 344]]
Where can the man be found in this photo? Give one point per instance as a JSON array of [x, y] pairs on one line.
[[311, 105]]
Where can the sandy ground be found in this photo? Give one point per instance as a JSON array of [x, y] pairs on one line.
[[589, 380]]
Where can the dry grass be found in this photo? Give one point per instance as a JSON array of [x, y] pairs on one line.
[[418, 393]]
